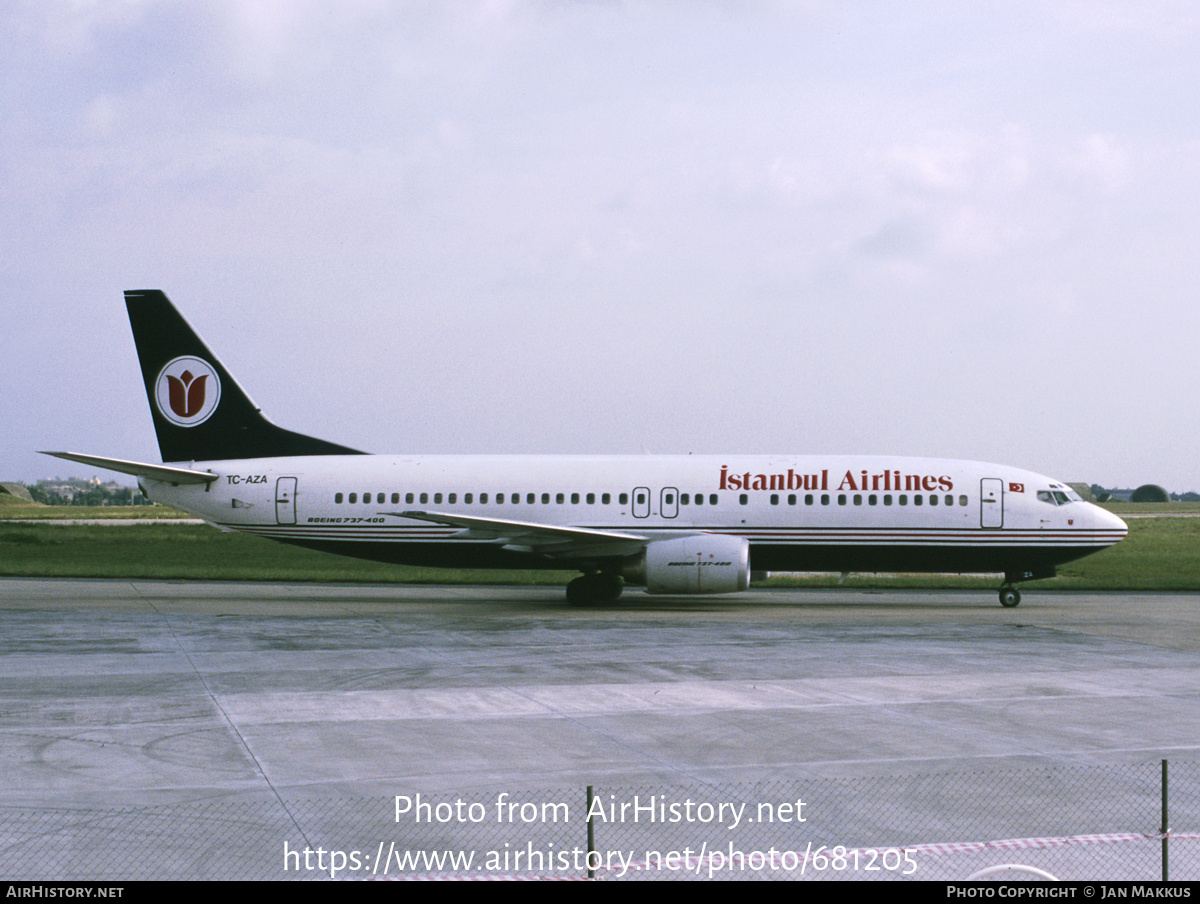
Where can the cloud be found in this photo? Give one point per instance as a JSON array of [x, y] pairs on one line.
[[548, 227]]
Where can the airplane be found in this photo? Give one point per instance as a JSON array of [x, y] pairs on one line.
[[679, 524]]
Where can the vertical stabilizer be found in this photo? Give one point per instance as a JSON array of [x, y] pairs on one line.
[[200, 412]]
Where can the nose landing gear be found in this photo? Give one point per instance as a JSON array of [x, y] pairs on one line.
[[1010, 596]]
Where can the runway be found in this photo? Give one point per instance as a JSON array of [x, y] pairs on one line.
[[152, 693]]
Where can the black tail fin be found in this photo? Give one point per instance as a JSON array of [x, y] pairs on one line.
[[200, 412]]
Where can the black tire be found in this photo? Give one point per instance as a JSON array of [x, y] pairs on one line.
[[595, 588], [1010, 597]]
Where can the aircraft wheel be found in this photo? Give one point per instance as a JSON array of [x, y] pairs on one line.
[[1010, 597], [577, 591], [609, 587], [595, 588]]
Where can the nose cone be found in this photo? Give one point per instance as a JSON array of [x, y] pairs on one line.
[[1112, 528]]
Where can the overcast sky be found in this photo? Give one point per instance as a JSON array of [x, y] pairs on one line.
[[968, 230]]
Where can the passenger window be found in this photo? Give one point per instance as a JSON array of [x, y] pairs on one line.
[[858, 499], [574, 499], [824, 499], [699, 499], [712, 498], [560, 498], [743, 499], [962, 500], [774, 499], [437, 498], [468, 498], [591, 498], [395, 498], [683, 499], [337, 497], [918, 500], [532, 497], [606, 498], [545, 498], [904, 499], [808, 498], [452, 498], [483, 498], [872, 499], [887, 498], [353, 497], [623, 499], [933, 500], [841, 498]]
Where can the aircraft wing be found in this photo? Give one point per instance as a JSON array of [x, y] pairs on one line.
[[165, 473], [527, 536]]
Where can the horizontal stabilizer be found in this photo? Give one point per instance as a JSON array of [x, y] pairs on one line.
[[165, 473]]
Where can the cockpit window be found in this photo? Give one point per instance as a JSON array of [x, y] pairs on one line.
[[1059, 496]]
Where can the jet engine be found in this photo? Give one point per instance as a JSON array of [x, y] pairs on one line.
[[704, 563]]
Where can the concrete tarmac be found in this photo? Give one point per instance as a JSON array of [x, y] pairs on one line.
[[151, 693], [124, 691]]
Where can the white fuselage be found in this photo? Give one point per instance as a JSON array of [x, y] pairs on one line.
[[831, 513]]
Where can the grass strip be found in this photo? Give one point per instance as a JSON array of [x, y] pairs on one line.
[[1158, 554]]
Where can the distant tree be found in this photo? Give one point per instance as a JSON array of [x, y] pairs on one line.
[[44, 496], [85, 493], [93, 496]]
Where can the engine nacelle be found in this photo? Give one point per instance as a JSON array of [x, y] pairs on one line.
[[707, 563]]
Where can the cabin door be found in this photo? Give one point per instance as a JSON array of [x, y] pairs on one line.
[[991, 502], [285, 500]]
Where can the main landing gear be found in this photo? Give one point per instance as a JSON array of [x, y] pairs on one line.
[[595, 588], [1010, 596]]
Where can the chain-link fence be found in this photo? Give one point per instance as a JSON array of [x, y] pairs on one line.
[[1076, 822]]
